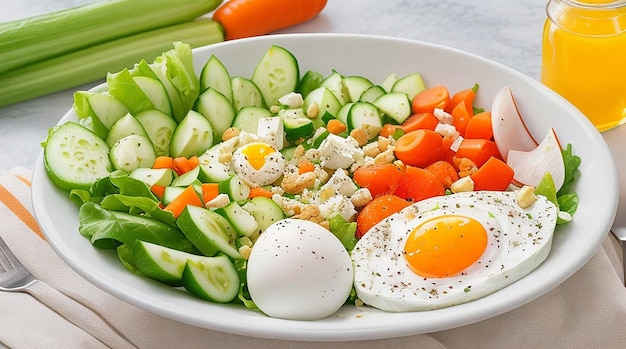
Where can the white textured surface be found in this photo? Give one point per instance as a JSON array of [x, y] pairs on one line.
[[506, 31]]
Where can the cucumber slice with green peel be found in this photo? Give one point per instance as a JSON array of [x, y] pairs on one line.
[[327, 104], [264, 210], [334, 82], [365, 116], [242, 220], [188, 178], [276, 74], [288, 152], [309, 82], [372, 93], [211, 170], [215, 75], [214, 279], [170, 193], [216, 108], [152, 176], [209, 232], [156, 93], [235, 188], [159, 127], [389, 81], [342, 114], [247, 119], [103, 108], [161, 263], [193, 136], [126, 125], [396, 105], [355, 86], [411, 84], [132, 152], [298, 128], [75, 157], [245, 94]]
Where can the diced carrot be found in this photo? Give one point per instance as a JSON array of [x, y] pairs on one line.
[[183, 165], [163, 162], [418, 121], [305, 166], [419, 148], [479, 126], [427, 100], [477, 150], [209, 191], [418, 184], [186, 197], [259, 191], [494, 174], [158, 190], [377, 210], [388, 130], [461, 116], [444, 171], [380, 179], [467, 96], [336, 127]]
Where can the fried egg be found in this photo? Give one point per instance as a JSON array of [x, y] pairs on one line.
[[258, 163], [451, 249]]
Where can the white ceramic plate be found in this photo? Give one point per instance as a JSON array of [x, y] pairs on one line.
[[373, 57]]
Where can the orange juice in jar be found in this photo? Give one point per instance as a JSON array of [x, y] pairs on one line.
[[584, 57]]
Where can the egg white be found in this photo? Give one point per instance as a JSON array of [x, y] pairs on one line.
[[272, 169], [519, 240]]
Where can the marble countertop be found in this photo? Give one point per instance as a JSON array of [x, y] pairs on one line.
[[505, 31]]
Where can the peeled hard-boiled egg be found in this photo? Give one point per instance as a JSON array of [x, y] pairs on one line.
[[451, 249], [258, 163], [298, 270]]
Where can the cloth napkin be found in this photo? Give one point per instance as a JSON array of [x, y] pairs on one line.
[[588, 310]]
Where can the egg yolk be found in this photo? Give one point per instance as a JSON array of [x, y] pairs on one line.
[[255, 154], [444, 246]]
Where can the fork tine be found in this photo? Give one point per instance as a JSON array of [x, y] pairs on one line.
[[13, 275], [6, 259]]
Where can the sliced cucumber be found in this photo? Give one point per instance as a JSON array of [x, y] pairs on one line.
[[215, 75], [264, 210], [298, 128], [159, 127], [309, 82], [334, 82], [152, 176], [156, 93], [342, 114], [365, 116], [211, 169], [235, 188], [411, 84], [245, 93], [355, 86], [193, 136], [103, 108], [126, 125], [396, 105], [161, 263], [170, 193], [389, 81], [242, 220], [209, 232], [276, 74], [372, 93], [214, 279], [247, 118], [132, 152], [327, 104], [217, 108], [188, 178], [75, 157]]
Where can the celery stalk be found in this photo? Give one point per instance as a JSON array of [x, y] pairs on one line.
[[95, 62], [37, 38]]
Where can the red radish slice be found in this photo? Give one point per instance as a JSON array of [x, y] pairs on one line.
[[509, 130], [530, 166]]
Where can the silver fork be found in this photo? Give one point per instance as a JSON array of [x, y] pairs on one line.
[[15, 277]]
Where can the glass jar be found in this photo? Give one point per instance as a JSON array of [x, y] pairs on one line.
[[584, 57]]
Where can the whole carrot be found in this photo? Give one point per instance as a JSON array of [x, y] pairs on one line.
[[245, 18]]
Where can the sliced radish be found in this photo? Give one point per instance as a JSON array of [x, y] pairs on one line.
[[509, 130], [531, 166]]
